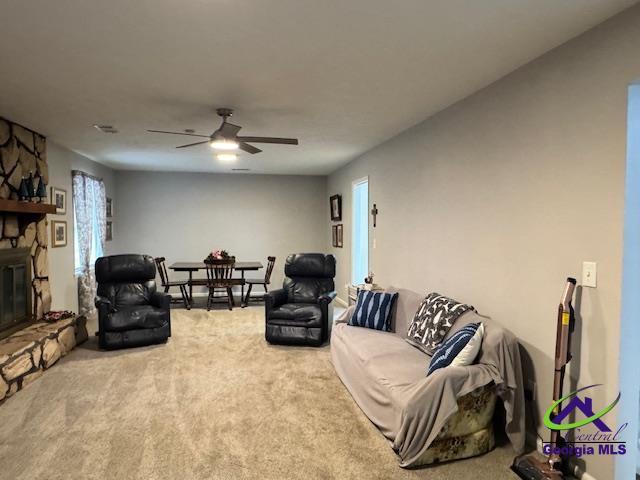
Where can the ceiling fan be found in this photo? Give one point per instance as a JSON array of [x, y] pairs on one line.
[[226, 137]]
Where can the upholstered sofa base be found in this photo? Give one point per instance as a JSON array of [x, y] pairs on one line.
[[456, 448], [293, 335], [468, 432], [134, 338]]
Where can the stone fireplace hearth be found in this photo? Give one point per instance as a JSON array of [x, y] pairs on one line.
[[26, 354]]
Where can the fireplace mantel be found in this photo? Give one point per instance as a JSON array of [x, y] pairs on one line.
[[15, 206]]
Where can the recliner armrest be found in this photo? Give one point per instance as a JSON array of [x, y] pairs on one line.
[[103, 305], [275, 298], [324, 301], [327, 297], [160, 300]]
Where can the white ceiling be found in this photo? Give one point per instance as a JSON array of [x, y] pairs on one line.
[[341, 75]]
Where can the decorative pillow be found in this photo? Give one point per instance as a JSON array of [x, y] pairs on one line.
[[432, 321], [458, 350], [373, 310]]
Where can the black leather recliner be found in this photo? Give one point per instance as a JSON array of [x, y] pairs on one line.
[[131, 313], [298, 314]]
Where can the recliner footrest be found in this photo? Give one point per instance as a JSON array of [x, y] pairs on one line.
[[291, 335], [134, 338]]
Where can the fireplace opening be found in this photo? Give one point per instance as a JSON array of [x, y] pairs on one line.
[[16, 310]]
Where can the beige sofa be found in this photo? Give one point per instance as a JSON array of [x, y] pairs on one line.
[[445, 416]]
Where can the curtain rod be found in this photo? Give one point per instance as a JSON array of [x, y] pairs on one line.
[[85, 174]]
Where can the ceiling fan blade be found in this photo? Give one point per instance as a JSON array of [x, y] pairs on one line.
[[193, 144], [229, 130], [179, 133], [248, 148], [282, 141]]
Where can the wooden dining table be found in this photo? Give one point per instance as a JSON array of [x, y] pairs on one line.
[[191, 267]]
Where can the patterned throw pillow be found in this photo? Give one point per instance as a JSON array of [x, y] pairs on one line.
[[460, 349], [373, 310], [432, 321]]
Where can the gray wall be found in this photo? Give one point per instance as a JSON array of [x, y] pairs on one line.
[[183, 216], [497, 199], [61, 161]]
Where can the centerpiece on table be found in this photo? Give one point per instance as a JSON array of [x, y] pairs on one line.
[[217, 255]]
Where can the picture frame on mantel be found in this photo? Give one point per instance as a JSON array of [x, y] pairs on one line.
[[58, 233], [59, 199], [335, 203]]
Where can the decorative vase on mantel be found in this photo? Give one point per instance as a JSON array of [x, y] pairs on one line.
[[23, 191], [41, 191], [31, 191]]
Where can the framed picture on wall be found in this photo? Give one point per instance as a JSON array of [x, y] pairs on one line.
[[334, 235], [109, 233], [339, 235], [58, 233], [109, 207], [335, 203], [59, 199]]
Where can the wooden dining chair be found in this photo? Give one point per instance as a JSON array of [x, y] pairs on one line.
[[271, 261], [167, 284], [220, 277]]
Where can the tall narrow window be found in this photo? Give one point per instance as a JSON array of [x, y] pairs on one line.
[[89, 214], [360, 247]]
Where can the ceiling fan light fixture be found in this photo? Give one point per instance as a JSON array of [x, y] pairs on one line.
[[227, 157], [223, 144], [226, 139]]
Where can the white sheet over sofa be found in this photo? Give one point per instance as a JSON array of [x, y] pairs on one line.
[[387, 378]]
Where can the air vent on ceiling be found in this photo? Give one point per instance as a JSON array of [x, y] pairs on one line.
[[240, 169], [105, 128]]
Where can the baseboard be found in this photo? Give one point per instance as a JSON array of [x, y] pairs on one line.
[[341, 302]]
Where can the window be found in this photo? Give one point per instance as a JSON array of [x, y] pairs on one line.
[[89, 230], [96, 248], [360, 246]]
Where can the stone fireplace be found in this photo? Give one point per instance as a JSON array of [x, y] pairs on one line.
[[29, 343], [23, 151]]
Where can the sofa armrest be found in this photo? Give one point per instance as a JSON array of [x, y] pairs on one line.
[[160, 300], [346, 315], [275, 298]]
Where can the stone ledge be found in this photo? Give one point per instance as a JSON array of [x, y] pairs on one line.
[[28, 352]]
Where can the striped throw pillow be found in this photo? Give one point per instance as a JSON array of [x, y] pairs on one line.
[[373, 310], [458, 350]]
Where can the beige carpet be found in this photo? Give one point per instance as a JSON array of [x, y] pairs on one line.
[[215, 402]]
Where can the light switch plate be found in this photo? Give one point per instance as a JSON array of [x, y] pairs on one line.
[[589, 274]]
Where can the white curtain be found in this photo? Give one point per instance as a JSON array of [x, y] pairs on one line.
[[89, 204]]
